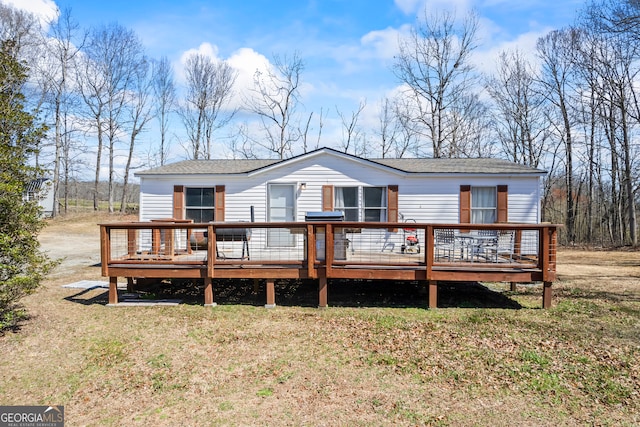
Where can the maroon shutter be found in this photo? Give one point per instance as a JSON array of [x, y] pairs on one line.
[[465, 204], [503, 213]]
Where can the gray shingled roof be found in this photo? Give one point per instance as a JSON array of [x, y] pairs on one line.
[[214, 166], [457, 166], [434, 166]]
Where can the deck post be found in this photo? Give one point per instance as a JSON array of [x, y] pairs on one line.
[[113, 290], [546, 295], [131, 286], [271, 294], [433, 294], [429, 253], [322, 292], [513, 287], [208, 292], [256, 286]]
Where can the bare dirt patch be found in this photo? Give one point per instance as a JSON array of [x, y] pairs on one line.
[[74, 239], [358, 364]]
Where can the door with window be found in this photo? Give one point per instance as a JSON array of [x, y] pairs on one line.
[[281, 208]]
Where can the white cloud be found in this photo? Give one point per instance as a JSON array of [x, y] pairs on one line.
[[206, 49], [487, 60], [45, 10], [247, 61], [408, 6], [383, 43]]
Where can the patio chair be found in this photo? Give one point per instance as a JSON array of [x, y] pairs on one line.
[[445, 243], [503, 247]]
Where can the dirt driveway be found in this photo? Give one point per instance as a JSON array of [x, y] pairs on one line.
[[75, 241]]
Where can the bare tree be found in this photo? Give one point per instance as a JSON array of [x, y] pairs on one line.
[[618, 72], [114, 55], [140, 114], [388, 127], [275, 100], [408, 140], [434, 65], [522, 124], [23, 29], [469, 121], [203, 111], [56, 74], [304, 132], [165, 98], [555, 51], [352, 136]]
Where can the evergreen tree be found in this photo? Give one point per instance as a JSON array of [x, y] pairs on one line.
[[22, 264]]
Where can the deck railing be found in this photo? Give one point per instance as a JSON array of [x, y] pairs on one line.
[[324, 250]]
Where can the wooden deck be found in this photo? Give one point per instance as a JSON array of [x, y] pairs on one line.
[[168, 249]]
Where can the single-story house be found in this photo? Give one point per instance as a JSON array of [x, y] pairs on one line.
[[408, 189], [374, 190]]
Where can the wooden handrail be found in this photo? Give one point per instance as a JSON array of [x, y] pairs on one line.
[[547, 237]]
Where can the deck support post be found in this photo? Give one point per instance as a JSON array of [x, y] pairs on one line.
[[513, 287], [208, 292], [322, 292], [131, 286], [546, 295], [256, 286], [271, 294], [113, 290], [433, 294]]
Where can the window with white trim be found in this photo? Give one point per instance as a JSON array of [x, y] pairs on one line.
[[199, 204], [361, 203], [484, 205]]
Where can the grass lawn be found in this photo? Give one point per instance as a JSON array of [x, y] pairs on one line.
[[375, 357]]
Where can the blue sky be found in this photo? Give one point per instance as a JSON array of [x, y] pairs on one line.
[[347, 45]]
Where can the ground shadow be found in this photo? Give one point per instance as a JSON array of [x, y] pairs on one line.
[[304, 293], [90, 296]]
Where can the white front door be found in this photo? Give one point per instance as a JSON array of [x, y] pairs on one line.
[[281, 209]]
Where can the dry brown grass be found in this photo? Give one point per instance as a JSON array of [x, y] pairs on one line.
[[357, 365]]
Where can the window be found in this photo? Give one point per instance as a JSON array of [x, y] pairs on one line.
[[199, 204], [375, 204], [483, 205], [370, 206], [346, 201]]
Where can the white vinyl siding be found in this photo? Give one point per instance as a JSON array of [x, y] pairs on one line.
[[423, 198]]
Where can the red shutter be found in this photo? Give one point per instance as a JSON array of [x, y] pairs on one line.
[[503, 213], [178, 201], [327, 197], [465, 204], [219, 204]]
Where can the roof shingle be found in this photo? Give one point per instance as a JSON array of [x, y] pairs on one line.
[[408, 165]]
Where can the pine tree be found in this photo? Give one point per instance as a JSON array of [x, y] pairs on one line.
[[22, 264]]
